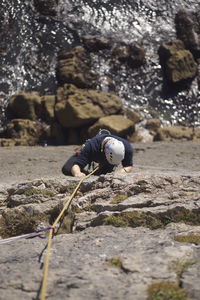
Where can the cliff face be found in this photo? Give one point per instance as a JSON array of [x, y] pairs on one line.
[[125, 236]]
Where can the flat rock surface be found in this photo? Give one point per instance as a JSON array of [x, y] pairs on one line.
[[163, 187], [28, 163]]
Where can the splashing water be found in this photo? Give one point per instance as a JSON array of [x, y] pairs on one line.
[[31, 42]]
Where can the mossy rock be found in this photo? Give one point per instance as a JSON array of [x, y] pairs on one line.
[[115, 262], [151, 220], [18, 224], [133, 219], [181, 66], [188, 238], [166, 290]]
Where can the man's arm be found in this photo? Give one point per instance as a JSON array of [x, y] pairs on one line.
[[76, 171]]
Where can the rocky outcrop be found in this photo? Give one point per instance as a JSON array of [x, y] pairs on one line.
[[178, 63], [126, 235], [74, 67], [132, 55], [77, 107], [23, 132], [187, 29], [95, 43], [173, 133]]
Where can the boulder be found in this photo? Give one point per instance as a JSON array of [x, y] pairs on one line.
[[116, 124], [74, 67], [178, 64], [95, 43], [25, 105], [153, 124], [132, 115], [78, 107], [26, 132], [132, 55], [187, 24], [181, 133]]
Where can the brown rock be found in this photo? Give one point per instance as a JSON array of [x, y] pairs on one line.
[[153, 124], [78, 107], [74, 67], [116, 124], [172, 133], [178, 64], [133, 55], [26, 132], [133, 116]]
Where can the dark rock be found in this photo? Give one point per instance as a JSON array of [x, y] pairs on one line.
[[46, 7], [132, 55], [95, 43], [187, 30], [25, 105]]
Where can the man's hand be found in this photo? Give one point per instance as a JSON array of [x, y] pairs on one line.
[[125, 170], [76, 171]]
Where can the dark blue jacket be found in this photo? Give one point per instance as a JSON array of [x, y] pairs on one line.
[[92, 152]]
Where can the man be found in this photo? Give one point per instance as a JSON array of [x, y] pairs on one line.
[[105, 149]]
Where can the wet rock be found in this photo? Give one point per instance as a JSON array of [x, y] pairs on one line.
[[187, 30], [132, 55], [74, 67], [178, 64], [118, 125], [95, 43], [46, 7]]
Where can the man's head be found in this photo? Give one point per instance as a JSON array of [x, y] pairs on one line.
[[114, 151]]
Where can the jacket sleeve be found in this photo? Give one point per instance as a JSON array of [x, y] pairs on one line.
[[84, 158]]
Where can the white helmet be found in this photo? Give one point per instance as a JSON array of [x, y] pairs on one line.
[[114, 151]]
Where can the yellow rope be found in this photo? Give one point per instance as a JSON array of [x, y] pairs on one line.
[[47, 258]]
